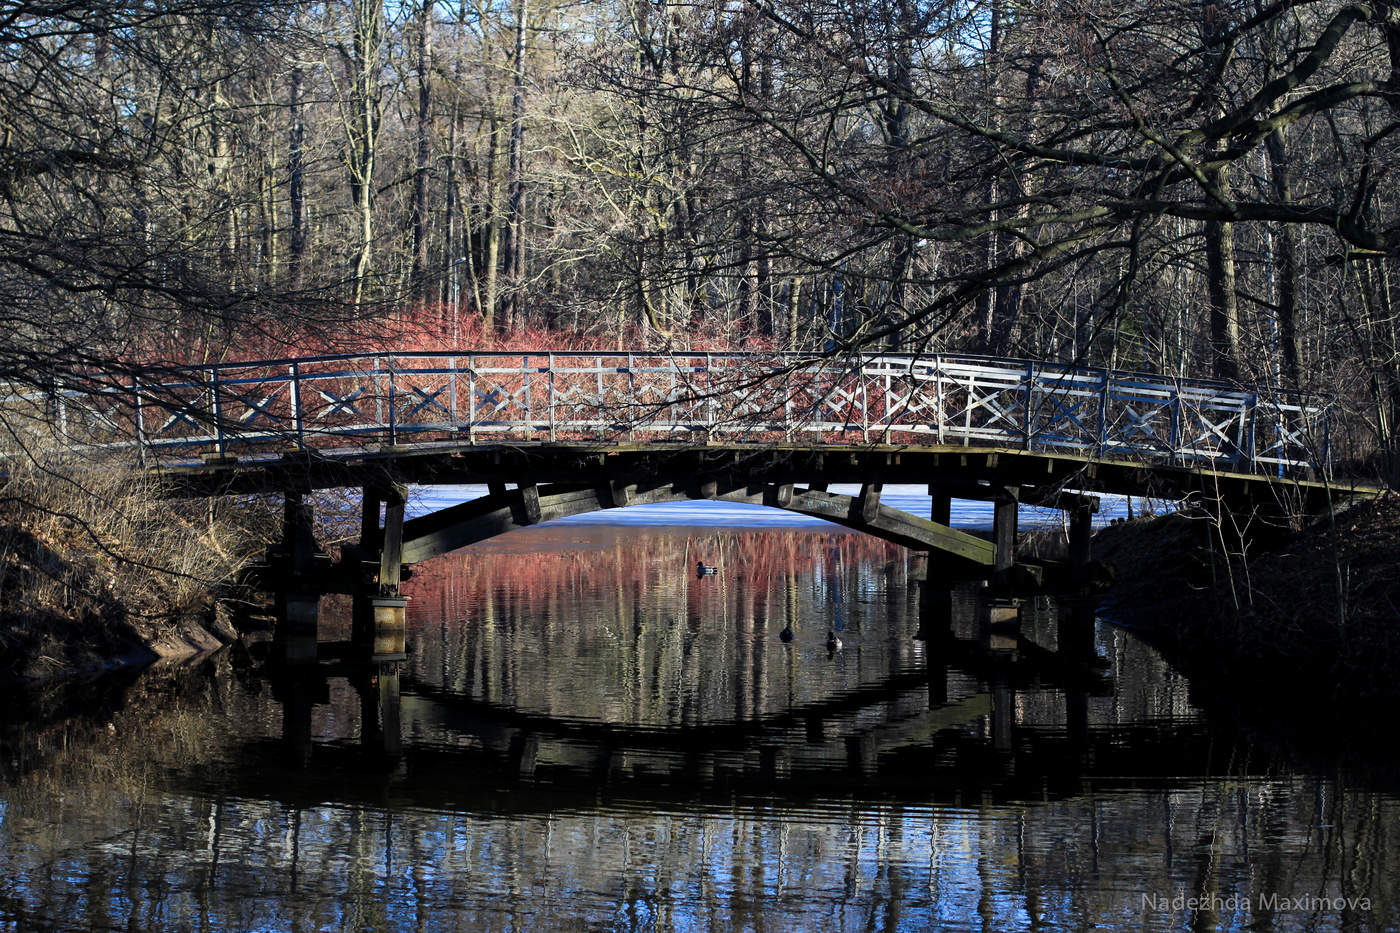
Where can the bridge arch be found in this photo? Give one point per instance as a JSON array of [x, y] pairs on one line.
[[504, 510]]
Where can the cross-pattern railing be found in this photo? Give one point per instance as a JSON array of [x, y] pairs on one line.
[[362, 401]]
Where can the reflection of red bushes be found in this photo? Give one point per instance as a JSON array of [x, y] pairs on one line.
[[537, 565]]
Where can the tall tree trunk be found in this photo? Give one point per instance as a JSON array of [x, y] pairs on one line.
[[296, 182], [515, 198], [747, 269], [1285, 250], [987, 310], [422, 161], [450, 292], [491, 230], [362, 128], [1220, 289]]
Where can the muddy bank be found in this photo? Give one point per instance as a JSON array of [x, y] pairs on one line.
[[1302, 622], [42, 645]]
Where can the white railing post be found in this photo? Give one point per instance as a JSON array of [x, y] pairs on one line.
[[1027, 422], [632, 407], [294, 372], [939, 411], [553, 430], [393, 422], [217, 406], [471, 399], [529, 413], [452, 420], [140, 420]]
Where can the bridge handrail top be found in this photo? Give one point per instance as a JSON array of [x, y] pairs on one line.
[[908, 360]]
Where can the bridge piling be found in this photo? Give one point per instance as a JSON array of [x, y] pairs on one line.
[[381, 729], [1004, 507], [935, 588], [298, 600], [378, 609], [935, 610], [1075, 631], [1081, 537], [998, 625]]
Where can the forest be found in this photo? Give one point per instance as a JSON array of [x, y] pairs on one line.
[[1174, 186]]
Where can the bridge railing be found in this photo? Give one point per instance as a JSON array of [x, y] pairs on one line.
[[365, 401]]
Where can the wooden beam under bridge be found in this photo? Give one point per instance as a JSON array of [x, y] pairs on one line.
[[504, 510]]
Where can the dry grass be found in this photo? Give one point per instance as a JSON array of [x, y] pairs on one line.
[[94, 563]]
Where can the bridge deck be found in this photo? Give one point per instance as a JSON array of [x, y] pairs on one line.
[[960, 471]]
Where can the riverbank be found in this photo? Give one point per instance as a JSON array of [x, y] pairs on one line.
[[99, 571], [1302, 619]]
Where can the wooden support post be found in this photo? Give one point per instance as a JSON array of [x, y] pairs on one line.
[[390, 722], [942, 511], [298, 603], [1004, 529], [936, 666], [935, 611], [999, 625], [621, 497], [1081, 538], [524, 753], [391, 543], [862, 754], [774, 762], [390, 627], [1077, 718], [381, 728], [867, 504], [298, 534], [1074, 637], [530, 504], [297, 617], [378, 617], [297, 703], [1003, 714], [369, 520]]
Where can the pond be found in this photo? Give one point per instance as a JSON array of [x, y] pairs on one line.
[[589, 735]]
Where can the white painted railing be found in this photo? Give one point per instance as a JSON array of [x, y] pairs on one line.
[[364, 401]]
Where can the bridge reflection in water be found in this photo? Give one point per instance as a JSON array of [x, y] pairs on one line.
[[591, 736], [680, 681]]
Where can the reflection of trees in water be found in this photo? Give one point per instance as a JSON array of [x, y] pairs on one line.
[[168, 820], [158, 824], [615, 625], [537, 563], [235, 861]]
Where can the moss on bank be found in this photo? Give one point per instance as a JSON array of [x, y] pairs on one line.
[[1307, 617]]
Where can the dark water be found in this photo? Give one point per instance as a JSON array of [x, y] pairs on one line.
[[588, 736]]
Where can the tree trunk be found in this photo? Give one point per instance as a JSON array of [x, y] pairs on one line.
[[296, 183], [1220, 289], [515, 202], [424, 153], [491, 229], [362, 125], [1286, 251]]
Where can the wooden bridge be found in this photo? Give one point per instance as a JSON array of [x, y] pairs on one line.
[[555, 434]]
